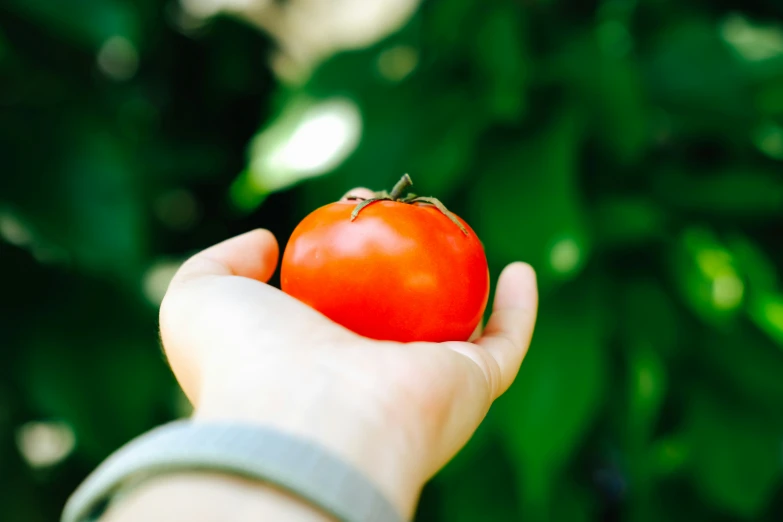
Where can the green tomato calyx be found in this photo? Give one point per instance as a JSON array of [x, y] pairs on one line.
[[396, 195]]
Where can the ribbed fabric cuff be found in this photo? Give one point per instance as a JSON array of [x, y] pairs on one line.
[[254, 452]]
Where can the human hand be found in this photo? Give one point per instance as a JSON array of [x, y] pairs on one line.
[[243, 350]]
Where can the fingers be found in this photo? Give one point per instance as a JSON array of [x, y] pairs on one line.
[[510, 327], [360, 192], [253, 254]]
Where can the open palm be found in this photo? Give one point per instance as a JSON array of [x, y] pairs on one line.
[[243, 350]]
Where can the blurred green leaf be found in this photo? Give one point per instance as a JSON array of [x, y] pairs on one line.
[[527, 206], [649, 336], [758, 269], [548, 410], [707, 275], [448, 24], [748, 364], [126, 377], [575, 503], [446, 148], [769, 97], [623, 221], [646, 391], [104, 228], [86, 22], [766, 311], [668, 455], [736, 457], [692, 73], [500, 57], [610, 88], [483, 489], [746, 193], [647, 317], [440, 165]]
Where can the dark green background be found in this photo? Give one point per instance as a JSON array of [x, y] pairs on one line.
[[630, 150]]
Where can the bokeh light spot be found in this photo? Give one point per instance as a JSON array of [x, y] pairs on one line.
[[308, 139], [773, 313], [752, 42], [156, 280], [118, 59], [769, 140], [398, 63], [13, 230], [177, 209], [565, 256], [44, 444], [727, 292], [320, 141]]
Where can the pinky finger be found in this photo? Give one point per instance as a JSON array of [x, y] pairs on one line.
[[510, 327]]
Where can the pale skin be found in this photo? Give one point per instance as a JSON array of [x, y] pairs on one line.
[[244, 351]]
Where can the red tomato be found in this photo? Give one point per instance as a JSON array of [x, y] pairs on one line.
[[400, 271]]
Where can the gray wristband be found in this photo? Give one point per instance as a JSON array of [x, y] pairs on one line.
[[254, 452]]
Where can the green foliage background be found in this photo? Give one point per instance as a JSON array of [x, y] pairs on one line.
[[629, 149]]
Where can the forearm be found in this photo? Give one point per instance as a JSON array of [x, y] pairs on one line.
[[206, 497]]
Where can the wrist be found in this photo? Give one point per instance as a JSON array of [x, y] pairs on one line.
[[337, 419], [205, 496]]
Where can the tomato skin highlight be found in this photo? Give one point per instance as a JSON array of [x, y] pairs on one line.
[[398, 272]]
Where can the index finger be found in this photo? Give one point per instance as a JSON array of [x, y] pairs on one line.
[[359, 192]]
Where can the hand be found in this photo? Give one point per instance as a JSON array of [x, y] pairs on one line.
[[244, 350]]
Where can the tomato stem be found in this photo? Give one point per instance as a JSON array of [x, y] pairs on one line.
[[410, 199], [401, 185], [443, 210]]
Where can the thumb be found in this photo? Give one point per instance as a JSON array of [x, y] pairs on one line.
[[191, 319], [253, 255]]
